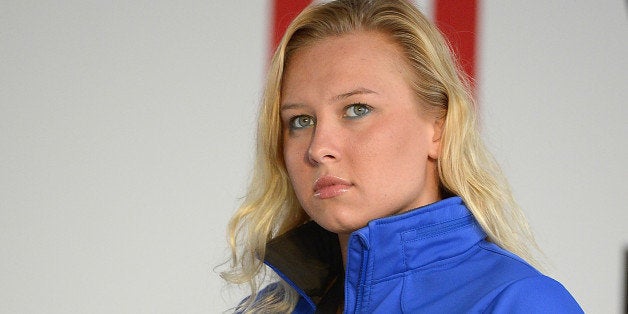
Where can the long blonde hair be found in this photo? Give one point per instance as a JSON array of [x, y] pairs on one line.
[[465, 167]]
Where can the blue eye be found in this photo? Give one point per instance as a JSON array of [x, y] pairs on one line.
[[357, 110], [300, 122]]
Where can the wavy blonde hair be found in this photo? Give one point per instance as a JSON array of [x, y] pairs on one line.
[[465, 167]]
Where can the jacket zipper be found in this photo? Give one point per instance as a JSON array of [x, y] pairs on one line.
[[361, 280]]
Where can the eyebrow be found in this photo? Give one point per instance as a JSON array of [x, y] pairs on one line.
[[357, 91], [291, 106]]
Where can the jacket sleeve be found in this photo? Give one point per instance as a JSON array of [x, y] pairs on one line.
[[539, 294]]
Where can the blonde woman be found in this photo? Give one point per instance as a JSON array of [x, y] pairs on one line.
[[372, 191]]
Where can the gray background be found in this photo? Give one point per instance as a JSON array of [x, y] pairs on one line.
[[126, 133]]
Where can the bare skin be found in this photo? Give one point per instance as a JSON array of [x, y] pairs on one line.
[[357, 145]]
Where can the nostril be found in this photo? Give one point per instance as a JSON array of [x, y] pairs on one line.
[[323, 146], [320, 157]]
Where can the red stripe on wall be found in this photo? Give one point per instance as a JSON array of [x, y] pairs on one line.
[[456, 19], [284, 11], [458, 22]]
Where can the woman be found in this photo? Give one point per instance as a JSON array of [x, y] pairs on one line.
[[372, 190]]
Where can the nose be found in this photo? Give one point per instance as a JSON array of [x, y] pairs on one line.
[[324, 145]]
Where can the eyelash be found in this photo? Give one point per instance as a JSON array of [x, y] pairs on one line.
[[360, 106], [305, 121], [291, 123]]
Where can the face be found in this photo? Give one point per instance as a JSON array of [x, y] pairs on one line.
[[357, 145]]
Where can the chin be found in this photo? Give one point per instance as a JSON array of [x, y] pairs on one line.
[[341, 224]]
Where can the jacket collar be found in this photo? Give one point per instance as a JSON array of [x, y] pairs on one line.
[[308, 257]]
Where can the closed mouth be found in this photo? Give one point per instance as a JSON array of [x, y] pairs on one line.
[[330, 186]]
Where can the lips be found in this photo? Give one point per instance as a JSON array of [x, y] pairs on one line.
[[330, 186]]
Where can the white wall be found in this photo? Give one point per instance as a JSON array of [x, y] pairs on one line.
[[125, 140], [553, 92], [126, 136]]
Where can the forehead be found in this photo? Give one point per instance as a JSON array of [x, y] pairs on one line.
[[337, 62]]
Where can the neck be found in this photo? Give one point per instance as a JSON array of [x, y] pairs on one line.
[[343, 238]]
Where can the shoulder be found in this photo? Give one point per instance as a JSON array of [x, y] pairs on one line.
[[260, 297], [268, 298], [520, 288], [536, 294]]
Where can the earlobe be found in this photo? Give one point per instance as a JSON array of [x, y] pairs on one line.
[[434, 152]]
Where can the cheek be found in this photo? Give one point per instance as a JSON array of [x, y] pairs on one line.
[[294, 158], [291, 161], [288, 152], [394, 142], [393, 159]]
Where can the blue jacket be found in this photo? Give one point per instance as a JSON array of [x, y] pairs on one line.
[[431, 260]]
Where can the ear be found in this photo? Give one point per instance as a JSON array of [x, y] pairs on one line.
[[438, 125]]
